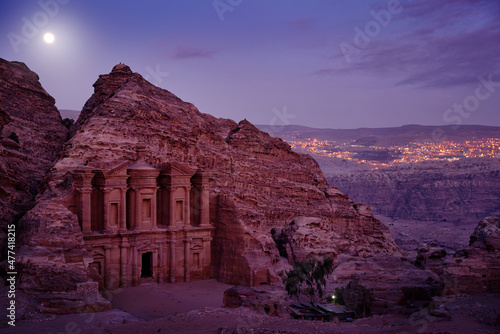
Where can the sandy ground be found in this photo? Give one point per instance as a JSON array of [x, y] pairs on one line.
[[196, 308]]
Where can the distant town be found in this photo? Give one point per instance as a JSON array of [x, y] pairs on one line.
[[410, 153]]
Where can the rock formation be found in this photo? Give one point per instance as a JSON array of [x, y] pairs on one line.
[[268, 302], [462, 191], [476, 269], [257, 184], [471, 270], [392, 280], [31, 135]]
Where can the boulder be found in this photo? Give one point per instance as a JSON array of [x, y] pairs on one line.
[[476, 269]]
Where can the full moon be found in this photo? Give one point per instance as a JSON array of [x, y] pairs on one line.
[[49, 38]]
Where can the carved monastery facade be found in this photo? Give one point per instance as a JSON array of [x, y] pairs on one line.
[[141, 223]]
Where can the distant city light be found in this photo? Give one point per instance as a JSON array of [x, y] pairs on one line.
[[410, 153]]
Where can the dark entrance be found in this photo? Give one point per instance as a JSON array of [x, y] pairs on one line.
[[147, 265]]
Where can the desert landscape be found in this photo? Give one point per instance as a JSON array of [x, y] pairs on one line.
[[297, 193], [66, 268]]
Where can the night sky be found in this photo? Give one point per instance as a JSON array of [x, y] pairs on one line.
[[336, 64]]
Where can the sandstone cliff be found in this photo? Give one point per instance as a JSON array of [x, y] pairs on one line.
[[463, 191], [31, 135], [476, 268], [257, 184]]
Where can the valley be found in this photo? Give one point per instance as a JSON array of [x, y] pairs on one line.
[[426, 191]]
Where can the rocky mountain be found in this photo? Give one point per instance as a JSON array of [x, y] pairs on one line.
[[257, 185], [31, 135]]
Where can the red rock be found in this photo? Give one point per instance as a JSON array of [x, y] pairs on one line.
[[476, 269], [31, 136]]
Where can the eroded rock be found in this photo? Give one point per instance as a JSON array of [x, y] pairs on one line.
[[31, 136]]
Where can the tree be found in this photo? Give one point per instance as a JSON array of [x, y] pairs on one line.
[[357, 298], [308, 277]]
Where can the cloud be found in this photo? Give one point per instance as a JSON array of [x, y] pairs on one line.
[[327, 71], [300, 24], [189, 51], [438, 43]]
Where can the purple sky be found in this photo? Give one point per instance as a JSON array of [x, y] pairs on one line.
[[337, 64]]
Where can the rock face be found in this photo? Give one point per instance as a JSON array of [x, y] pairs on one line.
[[257, 184], [268, 302], [392, 280], [487, 234], [476, 269], [463, 191], [31, 136]]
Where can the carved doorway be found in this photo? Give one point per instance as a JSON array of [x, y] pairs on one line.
[[147, 265]]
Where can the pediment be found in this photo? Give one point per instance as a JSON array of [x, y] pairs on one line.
[[115, 168], [141, 164], [119, 169], [175, 168]]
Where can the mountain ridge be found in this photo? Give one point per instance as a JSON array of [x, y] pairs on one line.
[[387, 136]]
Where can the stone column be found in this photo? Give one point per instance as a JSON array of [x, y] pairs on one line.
[[172, 206], [206, 256], [123, 210], [205, 206], [85, 206], [106, 209], [107, 266], [138, 209], [173, 242], [124, 247], [187, 259], [187, 204], [164, 207], [83, 184], [135, 266], [161, 264], [202, 181], [154, 209]]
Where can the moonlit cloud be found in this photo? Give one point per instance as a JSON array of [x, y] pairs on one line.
[[300, 24], [190, 51], [450, 43]]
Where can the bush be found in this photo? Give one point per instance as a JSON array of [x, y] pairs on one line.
[[68, 122], [357, 298]]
